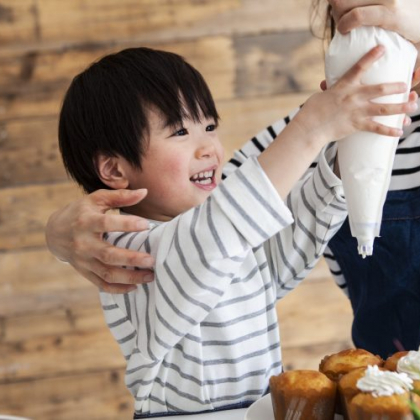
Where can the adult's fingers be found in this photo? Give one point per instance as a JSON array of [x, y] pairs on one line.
[[111, 255], [117, 275], [107, 287], [111, 199], [376, 15], [101, 223]]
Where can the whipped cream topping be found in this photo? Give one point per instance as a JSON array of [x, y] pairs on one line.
[[410, 364], [384, 383]]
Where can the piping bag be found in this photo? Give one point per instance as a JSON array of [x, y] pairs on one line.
[[365, 158]]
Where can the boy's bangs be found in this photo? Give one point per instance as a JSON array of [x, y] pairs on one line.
[[186, 96], [197, 101]]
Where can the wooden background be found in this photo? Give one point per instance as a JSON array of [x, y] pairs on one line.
[[57, 358]]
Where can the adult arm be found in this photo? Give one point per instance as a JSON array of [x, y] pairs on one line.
[[74, 234]]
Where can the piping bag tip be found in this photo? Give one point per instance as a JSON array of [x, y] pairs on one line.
[[365, 247]]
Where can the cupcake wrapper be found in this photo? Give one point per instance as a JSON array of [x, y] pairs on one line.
[[301, 408]]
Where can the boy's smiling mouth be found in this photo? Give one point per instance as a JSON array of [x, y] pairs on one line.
[[205, 179]]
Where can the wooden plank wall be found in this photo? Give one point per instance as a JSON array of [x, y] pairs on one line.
[[57, 358]]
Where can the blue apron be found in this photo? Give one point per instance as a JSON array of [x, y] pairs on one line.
[[384, 289]]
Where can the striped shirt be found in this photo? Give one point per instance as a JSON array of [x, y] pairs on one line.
[[405, 172], [204, 334]]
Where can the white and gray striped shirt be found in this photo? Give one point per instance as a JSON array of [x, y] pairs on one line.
[[204, 334]]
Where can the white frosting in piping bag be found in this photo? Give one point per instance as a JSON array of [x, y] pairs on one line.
[[366, 159]]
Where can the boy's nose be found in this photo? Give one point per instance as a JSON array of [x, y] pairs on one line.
[[205, 150]]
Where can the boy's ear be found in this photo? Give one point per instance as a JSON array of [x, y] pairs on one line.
[[111, 171]]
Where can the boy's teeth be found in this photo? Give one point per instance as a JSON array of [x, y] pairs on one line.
[[203, 178], [203, 175], [204, 181]]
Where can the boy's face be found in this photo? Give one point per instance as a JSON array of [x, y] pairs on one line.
[[180, 168]]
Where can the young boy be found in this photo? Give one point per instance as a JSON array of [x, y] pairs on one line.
[[204, 335]]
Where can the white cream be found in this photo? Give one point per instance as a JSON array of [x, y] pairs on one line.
[[366, 159], [384, 383], [410, 364]]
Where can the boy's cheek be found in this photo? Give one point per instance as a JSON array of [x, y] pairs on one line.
[[175, 170]]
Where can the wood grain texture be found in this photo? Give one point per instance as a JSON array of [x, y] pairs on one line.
[[24, 212], [91, 395], [260, 62], [33, 23], [234, 67], [33, 281]]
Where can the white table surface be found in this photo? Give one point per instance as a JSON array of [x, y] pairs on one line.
[[238, 414]]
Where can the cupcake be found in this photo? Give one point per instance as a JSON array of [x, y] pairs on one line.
[[383, 395], [338, 364], [347, 388], [410, 365], [365, 406], [302, 394], [391, 362]]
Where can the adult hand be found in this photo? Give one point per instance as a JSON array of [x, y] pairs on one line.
[[401, 16], [74, 234]]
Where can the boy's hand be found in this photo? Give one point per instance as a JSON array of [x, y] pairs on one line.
[[74, 234], [347, 106], [401, 16], [407, 119]]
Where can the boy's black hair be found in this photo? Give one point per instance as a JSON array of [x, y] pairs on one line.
[[105, 108]]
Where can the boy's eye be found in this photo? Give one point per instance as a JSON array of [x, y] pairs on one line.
[[211, 127], [181, 132]]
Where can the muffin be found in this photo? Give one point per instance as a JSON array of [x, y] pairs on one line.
[[338, 364], [302, 394], [410, 364], [347, 388], [383, 395], [391, 362], [365, 406]]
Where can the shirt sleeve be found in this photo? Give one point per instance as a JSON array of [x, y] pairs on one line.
[[335, 270], [197, 255], [316, 202], [319, 210]]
